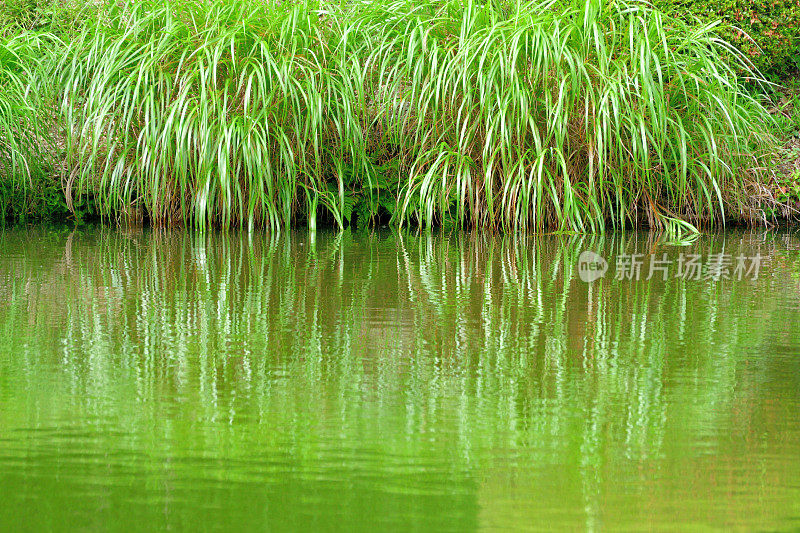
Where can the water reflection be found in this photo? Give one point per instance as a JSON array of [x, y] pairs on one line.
[[394, 380]]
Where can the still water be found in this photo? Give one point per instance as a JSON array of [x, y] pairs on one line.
[[364, 381]]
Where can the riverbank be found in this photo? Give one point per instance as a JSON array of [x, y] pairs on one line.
[[529, 117]]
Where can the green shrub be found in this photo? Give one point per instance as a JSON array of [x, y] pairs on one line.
[[767, 31]]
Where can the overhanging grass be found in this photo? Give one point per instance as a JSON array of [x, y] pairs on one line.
[[14, 112], [525, 116], [22, 57]]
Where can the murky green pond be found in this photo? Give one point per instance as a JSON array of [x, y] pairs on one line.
[[395, 381]]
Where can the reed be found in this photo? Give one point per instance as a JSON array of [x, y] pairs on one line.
[[523, 116]]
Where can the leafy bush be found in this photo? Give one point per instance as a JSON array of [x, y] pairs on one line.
[[767, 31]]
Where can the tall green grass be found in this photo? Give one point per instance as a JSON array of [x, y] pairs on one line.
[[520, 116], [22, 145], [14, 113]]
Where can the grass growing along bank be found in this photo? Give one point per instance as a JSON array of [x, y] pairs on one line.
[[30, 183], [18, 125], [523, 116]]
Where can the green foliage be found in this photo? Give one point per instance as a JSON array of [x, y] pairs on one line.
[[515, 117], [28, 186], [787, 195], [18, 123], [38, 199], [789, 187], [55, 16], [767, 31], [13, 109], [787, 109], [21, 13], [377, 199]]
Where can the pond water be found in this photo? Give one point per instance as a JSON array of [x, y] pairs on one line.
[[362, 381]]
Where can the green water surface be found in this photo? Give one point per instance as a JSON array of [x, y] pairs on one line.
[[392, 381]]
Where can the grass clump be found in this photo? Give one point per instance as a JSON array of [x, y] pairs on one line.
[[13, 109], [526, 116], [26, 183]]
